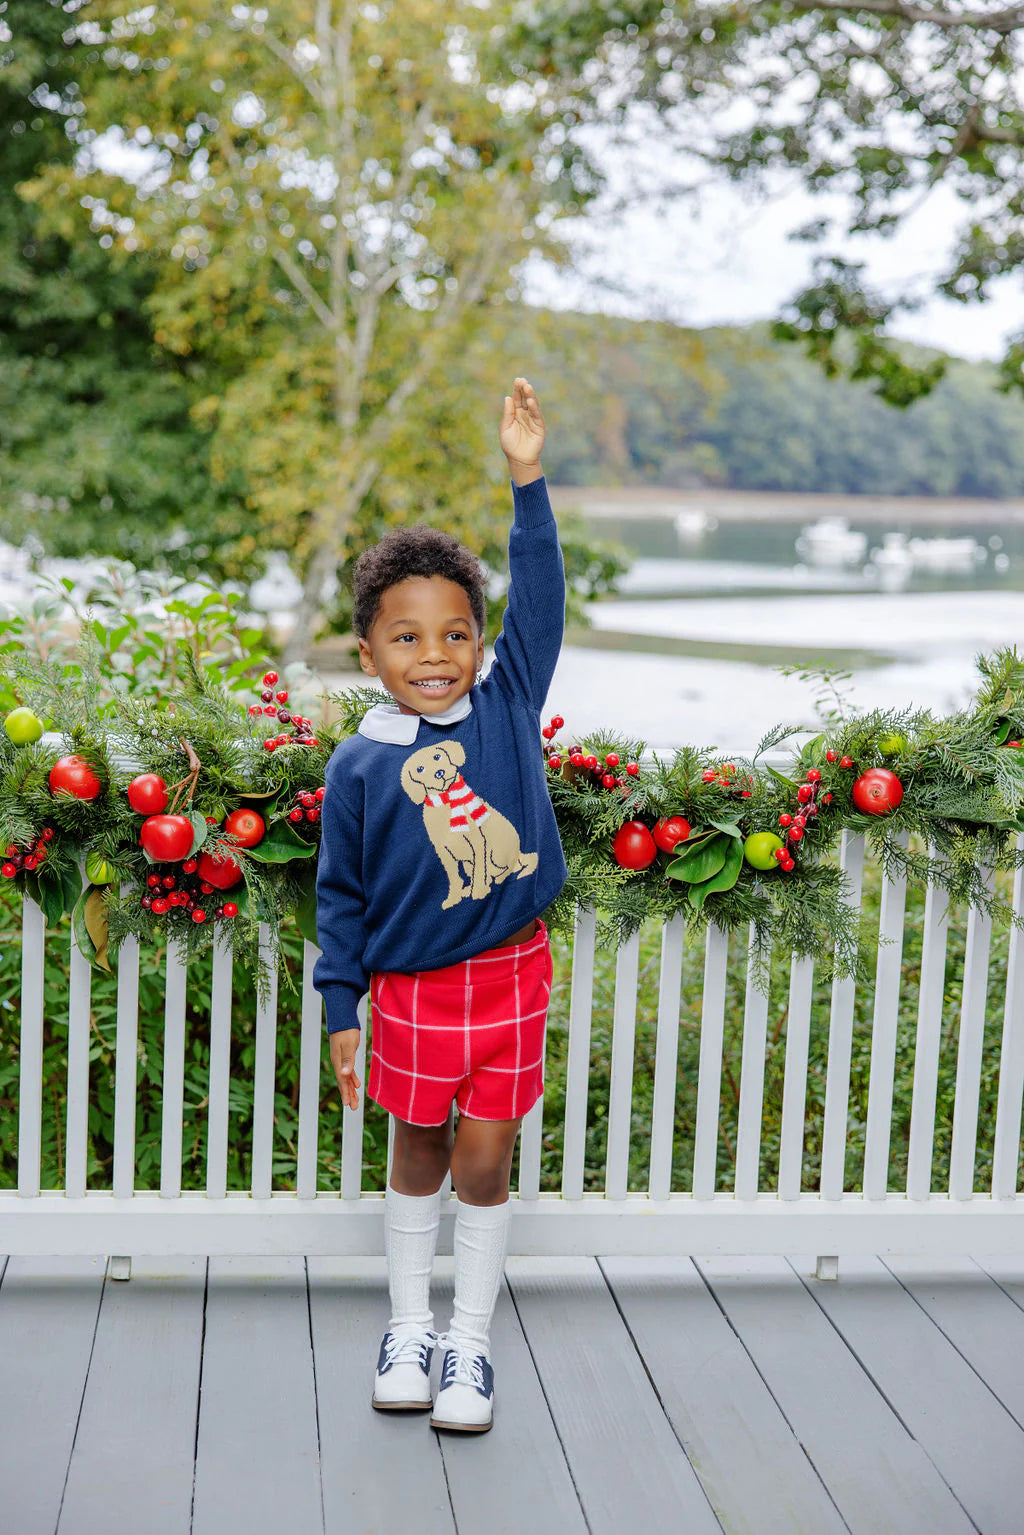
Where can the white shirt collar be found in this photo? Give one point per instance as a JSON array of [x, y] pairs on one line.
[[386, 722]]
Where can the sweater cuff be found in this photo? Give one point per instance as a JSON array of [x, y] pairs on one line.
[[532, 504], [340, 1003]]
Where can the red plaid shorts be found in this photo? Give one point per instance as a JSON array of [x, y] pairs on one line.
[[472, 1032]]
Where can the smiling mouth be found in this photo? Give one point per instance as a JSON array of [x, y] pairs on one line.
[[434, 684]]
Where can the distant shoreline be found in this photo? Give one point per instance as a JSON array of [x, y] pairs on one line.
[[651, 501]]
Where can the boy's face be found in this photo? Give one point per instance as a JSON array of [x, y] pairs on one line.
[[423, 644]]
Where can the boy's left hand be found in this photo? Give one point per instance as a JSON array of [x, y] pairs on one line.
[[521, 433]]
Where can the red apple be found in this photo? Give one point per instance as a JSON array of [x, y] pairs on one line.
[[221, 873], [147, 794], [877, 792], [167, 838], [634, 847], [247, 826], [670, 831], [74, 774]]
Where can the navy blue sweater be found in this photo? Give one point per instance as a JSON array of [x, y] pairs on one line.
[[434, 852]]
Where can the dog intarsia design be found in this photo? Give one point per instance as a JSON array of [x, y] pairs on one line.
[[477, 846]]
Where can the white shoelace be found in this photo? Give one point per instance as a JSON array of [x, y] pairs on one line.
[[468, 1362], [409, 1347]]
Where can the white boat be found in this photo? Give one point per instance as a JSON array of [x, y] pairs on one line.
[[831, 541], [960, 554]]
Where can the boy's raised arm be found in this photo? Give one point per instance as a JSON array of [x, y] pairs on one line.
[[526, 651]]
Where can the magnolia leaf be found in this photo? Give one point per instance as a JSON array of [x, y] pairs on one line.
[[790, 783], [79, 926], [696, 867], [729, 827], [305, 916], [1002, 734], [725, 879], [95, 918], [281, 844], [200, 830]]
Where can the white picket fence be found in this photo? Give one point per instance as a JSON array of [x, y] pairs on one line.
[[747, 1218]]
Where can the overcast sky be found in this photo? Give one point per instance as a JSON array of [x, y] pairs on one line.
[[726, 258]]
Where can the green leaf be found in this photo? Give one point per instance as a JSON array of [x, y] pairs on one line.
[[47, 889], [790, 783], [281, 844], [305, 916], [725, 879], [200, 832], [1002, 734], [82, 935], [696, 865], [729, 827]]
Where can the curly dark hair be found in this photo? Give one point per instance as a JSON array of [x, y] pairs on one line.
[[415, 551]]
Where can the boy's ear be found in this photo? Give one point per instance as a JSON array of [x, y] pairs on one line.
[[480, 653], [366, 660]]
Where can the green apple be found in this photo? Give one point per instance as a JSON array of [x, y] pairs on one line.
[[892, 744], [97, 870], [23, 726], [760, 849]]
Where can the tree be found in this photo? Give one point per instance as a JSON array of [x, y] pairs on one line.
[[97, 445], [336, 194], [885, 100]]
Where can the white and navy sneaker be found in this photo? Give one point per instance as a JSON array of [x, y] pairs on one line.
[[465, 1399], [402, 1383]]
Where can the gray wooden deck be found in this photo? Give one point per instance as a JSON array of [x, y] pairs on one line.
[[660, 1395]]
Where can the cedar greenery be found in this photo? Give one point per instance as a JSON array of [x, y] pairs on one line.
[[957, 825]]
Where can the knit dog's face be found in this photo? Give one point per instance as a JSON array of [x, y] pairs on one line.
[[423, 644], [431, 770]]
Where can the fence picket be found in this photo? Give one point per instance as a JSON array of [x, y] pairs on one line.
[[126, 1064], [888, 974], [30, 1059], [928, 1040], [577, 1069], [172, 1096], [755, 1038], [310, 1056], [968, 1058], [220, 1069], [529, 1151], [352, 1121], [666, 1067], [840, 1040], [794, 1085], [264, 1074], [709, 1070], [620, 1093], [1006, 1152], [76, 1133]]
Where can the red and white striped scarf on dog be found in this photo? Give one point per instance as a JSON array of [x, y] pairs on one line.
[[463, 805]]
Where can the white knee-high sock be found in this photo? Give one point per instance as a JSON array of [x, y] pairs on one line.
[[411, 1222], [480, 1244]]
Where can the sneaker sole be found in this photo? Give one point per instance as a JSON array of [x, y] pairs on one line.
[[400, 1406], [462, 1428]]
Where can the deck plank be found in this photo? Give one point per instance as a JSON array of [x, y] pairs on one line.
[[381, 1471], [257, 1459], [489, 1492], [879, 1477], [980, 1320], [48, 1309], [969, 1436], [626, 1462], [753, 1468], [134, 1454]]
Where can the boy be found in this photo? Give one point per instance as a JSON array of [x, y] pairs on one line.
[[440, 852]]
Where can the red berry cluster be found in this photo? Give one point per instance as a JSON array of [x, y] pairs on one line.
[[602, 773], [168, 891], [729, 777], [796, 826], [307, 805], [844, 762], [273, 704], [18, 859]]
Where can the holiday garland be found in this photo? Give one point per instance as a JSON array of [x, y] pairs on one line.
[[197, 815]]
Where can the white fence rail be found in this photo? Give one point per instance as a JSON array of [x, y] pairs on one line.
[[704, 1217]]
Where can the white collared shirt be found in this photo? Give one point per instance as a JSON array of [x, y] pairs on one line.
[[386, 722]]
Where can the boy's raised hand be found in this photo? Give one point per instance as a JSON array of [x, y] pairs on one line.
[[521, 433], [344, 1045]]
